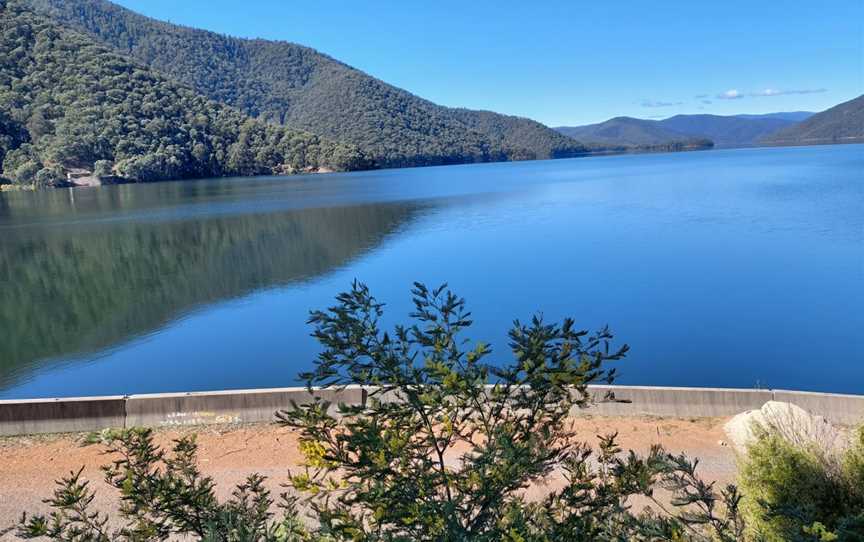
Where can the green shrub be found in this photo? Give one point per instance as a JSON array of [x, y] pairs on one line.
[[798, 492], [446, 445], [49, 176], [853, 462], [161, 495], [103, 168]]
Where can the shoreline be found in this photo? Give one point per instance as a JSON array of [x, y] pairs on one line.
[[11, 188]]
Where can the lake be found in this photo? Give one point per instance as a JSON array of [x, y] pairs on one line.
[[727, 268]]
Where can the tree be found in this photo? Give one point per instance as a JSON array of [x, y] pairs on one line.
[[103, 168], [22, 164], [49, 176], [446, 444]]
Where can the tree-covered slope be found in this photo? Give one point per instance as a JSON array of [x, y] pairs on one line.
[[521, 138], [843, 123], [625, 131], [290, 84], [68, 102]]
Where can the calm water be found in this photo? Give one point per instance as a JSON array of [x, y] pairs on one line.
[[724, 268]]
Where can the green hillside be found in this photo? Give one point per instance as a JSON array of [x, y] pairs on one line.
[[67, 102], [843, 123], [288, 84]]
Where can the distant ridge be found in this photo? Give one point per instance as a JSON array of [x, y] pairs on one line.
[[285, 83], [734, 131], [843, 123], [794, 116], [724, 131], [634, 133]]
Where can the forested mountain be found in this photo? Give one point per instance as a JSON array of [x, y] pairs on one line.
[[628, 131], [843, 123], [68, 102], [732, 131], [285, 83]]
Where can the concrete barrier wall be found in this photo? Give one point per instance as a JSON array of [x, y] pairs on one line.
[[61, 415], [245, 406], [677, 402], [236, 406], [846, 409]]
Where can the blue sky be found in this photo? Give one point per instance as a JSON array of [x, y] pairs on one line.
[[572, 62]]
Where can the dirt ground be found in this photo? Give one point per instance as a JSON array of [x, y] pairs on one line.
[[30, 465]]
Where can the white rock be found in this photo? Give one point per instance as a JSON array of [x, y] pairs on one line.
[[792, 422]]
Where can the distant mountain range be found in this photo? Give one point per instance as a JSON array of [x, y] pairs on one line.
[[843, 123], [731, 131]]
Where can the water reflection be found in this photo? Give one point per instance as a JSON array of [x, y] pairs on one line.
[[81, 286]]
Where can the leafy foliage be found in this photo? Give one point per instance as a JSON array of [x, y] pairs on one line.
[[795, 493], [437, 454], [290, 84], [162, 495], [66, 102]]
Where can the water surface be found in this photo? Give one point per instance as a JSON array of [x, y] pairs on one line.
[[735, 268]]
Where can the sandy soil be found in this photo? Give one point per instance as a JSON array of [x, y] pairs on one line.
[[30, 465]]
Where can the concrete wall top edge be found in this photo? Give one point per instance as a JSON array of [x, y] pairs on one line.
[[62, 400], [293, 389], [679, 388], [821, 394]]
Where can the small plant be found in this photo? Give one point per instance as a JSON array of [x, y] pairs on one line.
[[161, 495]]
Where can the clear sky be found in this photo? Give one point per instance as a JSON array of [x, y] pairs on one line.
[[572, 62]]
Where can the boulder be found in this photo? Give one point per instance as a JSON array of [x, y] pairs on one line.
[[792, 422]]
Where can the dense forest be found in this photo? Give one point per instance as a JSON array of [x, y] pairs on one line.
[[289, 84], [67, 102]]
